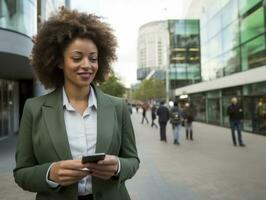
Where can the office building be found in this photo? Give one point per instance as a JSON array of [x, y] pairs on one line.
[[173, 46], [18, 23], [233, 59]]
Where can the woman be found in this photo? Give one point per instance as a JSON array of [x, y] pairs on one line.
[[72, 52]]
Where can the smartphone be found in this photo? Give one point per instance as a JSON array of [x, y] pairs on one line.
[[93, 158]]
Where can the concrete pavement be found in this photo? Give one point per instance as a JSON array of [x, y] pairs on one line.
[[209, 168]]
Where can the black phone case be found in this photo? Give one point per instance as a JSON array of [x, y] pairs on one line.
[[92, 158]]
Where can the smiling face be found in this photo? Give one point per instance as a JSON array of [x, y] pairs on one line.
[[80, 63]]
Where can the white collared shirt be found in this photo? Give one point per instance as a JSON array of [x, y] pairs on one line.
[[82, 136], [81, 133]]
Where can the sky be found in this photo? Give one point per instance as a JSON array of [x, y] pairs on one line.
[[126, 17]]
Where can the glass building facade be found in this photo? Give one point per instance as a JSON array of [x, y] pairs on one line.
[[19, 16], [184, 55], [212, 106], [233, 49], [18, 23], [9, 107], [233, 38]]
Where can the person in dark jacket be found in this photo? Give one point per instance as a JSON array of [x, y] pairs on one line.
[[189, 115], [235, 113], [145, 107], [163, 114], [175, 120], [153, 116]]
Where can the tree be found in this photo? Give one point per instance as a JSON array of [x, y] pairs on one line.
[[150, 89], [113, 86]]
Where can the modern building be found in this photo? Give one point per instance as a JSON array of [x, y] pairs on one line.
[[233, 61], [153, 44], [172, 46], [184, 53], [18, 23]]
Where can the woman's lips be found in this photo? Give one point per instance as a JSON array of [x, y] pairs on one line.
[[84, 75]]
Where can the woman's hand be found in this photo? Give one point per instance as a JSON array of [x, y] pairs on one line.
[[67, 172], [104, 169]]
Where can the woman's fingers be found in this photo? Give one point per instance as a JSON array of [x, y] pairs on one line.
[[100, 167], [71, 164], [109, 160], [67, 171], [72, 173]]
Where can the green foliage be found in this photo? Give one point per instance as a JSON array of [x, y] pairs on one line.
[[150, 89], [113, 86]]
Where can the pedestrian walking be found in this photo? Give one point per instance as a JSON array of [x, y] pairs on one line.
[[153, 115], [175, 120], [235, 113], [72, 52], [145, 107], [163, 115], [189, 114]]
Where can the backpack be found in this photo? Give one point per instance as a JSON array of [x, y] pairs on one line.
[[175, 117]]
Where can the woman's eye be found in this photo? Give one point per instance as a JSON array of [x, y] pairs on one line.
[[93, 60], [76, 59]]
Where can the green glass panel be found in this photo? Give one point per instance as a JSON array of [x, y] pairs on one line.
[[252, 25], [192, 27], [245, 5], [253, 53]]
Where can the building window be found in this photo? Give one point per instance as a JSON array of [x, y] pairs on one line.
[[252, 25], [246, 5], [231, 61], [213, 107], [230, 36], [253, 53], [254, 105], [229, 13]]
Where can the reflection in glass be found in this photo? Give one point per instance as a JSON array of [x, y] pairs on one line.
[[215, 25], [245, 5], [229, 13], [184, 52], [230, 36], [199, 102], [231, 61], [255, 107], [213, 102], [18, 15], [253, 53], [215, 46], [252, 25]]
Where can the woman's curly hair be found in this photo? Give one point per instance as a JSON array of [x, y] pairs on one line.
[[58, 32]]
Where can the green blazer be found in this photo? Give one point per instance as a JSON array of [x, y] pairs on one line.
[[43, 140]]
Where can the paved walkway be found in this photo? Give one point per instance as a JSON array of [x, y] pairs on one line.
[[209, 168]]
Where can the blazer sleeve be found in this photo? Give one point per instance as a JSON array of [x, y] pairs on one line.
[[28, 174], [128, 152]]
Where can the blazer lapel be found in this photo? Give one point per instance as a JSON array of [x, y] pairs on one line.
[[105, 121], [54, 118]]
